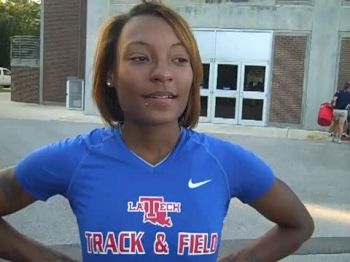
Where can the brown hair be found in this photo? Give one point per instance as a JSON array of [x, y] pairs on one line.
[[106, 56], [347, 85]]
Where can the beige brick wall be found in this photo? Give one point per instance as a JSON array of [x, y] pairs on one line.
[[344, 62], [288, 79]]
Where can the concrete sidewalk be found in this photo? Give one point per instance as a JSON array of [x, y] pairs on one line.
[[73, 251], [17, 110], [323, 184]]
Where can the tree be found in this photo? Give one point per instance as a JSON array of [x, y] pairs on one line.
[[17, 17]]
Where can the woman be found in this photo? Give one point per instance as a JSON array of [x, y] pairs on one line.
[[148, 187], [340, 101]]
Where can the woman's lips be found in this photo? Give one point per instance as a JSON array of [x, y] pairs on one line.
[[160, 99], [161, 95]]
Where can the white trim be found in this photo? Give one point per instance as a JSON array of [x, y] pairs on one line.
[[210, 57]]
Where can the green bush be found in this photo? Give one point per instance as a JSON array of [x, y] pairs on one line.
[[17, 17]]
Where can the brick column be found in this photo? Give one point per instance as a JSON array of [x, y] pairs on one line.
[[64, 46], [288, 79], [344, 62]]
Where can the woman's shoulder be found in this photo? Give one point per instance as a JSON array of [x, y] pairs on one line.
[[83, 141], [97, 136], [214, 143]]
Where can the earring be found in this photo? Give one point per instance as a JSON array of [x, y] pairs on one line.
[[108, 83]]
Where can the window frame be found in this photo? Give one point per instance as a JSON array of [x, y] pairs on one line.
[[6, 72], [346, 3]]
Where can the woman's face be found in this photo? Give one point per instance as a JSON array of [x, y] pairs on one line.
[[154, 74]]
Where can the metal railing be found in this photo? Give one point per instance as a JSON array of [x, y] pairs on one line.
[[263, 2], [25, 51], [295, 2]]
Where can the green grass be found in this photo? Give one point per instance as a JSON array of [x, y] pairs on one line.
[[3, 89]]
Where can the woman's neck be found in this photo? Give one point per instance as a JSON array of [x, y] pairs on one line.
[[151, 143]]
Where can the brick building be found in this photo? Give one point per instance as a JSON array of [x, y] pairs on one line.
[[266, 62], [63, 44]]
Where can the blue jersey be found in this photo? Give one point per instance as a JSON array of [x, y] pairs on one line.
[[130, 210]]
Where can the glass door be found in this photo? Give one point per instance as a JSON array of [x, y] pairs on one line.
[[234, 93], [205, 93], [225, 93], [253, 94]]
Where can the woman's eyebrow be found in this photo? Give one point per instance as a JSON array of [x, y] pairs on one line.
[[177, 44], [137, 43], [143, 43]]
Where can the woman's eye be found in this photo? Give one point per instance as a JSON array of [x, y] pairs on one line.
[[181, 60], [139, 59]]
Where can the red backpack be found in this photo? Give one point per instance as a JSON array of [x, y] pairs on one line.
[[325, 115]]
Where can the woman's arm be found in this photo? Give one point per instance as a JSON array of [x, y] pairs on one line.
[[294, 225], [334, 100], [13, 245]]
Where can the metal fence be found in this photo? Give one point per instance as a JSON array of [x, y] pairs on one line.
[[25, 51], [264, 2]]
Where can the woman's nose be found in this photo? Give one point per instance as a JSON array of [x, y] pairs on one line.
[[162, 72]]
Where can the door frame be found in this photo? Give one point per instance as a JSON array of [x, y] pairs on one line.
[[224, 93], [207, 93], [209, 40], [239, 94], [254, 94]]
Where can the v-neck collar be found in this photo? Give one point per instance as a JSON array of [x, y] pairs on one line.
[[119, 136]]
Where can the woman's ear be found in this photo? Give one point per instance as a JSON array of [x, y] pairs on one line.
[[109, 83], [110, 80]]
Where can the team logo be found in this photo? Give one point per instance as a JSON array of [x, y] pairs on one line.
[[155, 210]]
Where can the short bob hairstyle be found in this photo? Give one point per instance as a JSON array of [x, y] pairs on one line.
[[107, 56]]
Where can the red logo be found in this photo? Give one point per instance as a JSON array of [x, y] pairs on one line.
[[155, 210]]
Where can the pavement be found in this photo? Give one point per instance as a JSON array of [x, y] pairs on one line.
[[324, 188], [17, 110]]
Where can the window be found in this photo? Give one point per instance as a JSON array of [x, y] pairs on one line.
[[227, 77], [205, 83], [254, 78], [225, 1], [346, 2], [7, 72], [294, 2]]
